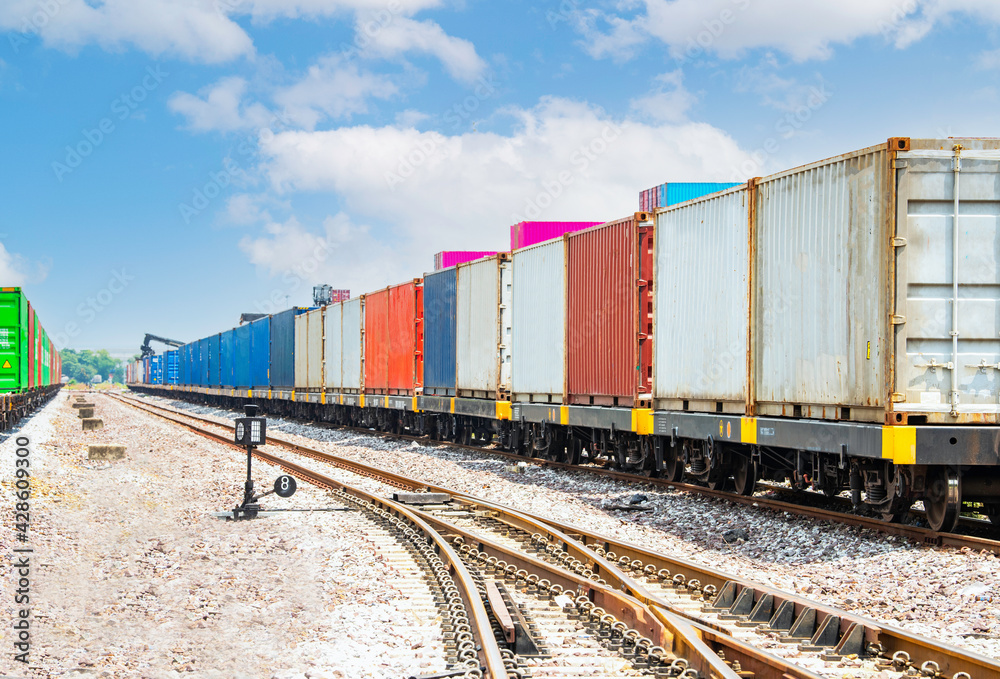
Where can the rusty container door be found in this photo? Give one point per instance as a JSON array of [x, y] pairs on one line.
[[609, 329]]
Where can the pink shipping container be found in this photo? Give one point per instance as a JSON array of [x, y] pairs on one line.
[[609, 329], [443, 260], [524, 234]]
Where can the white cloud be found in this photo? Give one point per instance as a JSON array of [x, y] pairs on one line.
[[333, 89], [668, 101], [803, 30], [401, 35], [266, 10], [220, 107], [341, 253], [191, 29], [244, 209], [564, 160], [16, 270]]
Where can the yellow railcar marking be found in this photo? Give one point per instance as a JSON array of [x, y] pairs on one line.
[[899, 444], [563, 414], [503, 410], [322, 398], [268, 393], [452, 406], [415, 408], [642, 421], [361, 401], [748, 430], [293, 394]]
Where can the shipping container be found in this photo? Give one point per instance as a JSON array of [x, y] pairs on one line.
[[260, 352], [227, 358], [394, 339], [282, 372], [440, 332], [526, 234], [241, 357], [14, 346], [214, 359], [171, 367], [609, 322], [32, 349], [702, 304], [672, 193], [45, 364], [309, 350], [483, 303], [155, 369], [538, 341], [344, 346], [449, 258]]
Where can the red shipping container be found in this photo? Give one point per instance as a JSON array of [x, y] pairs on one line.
[[394, 339], [610, 313]]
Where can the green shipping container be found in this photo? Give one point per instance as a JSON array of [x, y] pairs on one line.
[[13, 341], [46, 359]]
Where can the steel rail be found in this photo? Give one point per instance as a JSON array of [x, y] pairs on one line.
[[582, 542]]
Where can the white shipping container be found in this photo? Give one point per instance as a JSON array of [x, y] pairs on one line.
[[309, 350], [483, 328], [333, 352], [700, 352], [352, 356], [538, 340], [820, 283]]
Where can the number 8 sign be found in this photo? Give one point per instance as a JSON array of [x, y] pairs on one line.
[[284, 486]]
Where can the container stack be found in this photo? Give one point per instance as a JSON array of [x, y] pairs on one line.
[[672, 193]]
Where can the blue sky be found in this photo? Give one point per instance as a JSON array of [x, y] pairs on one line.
[[169, 165]]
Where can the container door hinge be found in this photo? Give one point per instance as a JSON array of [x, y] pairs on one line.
[[897, 397], [898, 242], [898, 320]]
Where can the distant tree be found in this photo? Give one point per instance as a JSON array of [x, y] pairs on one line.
[[83, 365]]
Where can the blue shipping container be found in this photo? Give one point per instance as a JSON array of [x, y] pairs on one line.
[[184, 354], [171, 367], [227, 357], [439, 332], [212, 358], [283, 348], [260, 353], [672, 193], [241, 357], [199, 365], [156, 369]]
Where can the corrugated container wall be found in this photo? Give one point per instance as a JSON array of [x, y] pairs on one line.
[[241, 357], [449, 258], [309, 350], [32, 382], [394, 339], [212, 350], [701, 305], [821, 286], [227, 358], [609, 323], [484, 328], [333, 350], [283, 348], [439, 332], [352, 346], [526, 234], [13, 341], [172, 367], [538, 340], [260, 352]]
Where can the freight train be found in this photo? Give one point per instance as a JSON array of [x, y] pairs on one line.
[[836, 325], [30, 366]]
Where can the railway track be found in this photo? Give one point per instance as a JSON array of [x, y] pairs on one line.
[[841, 514], [643, 605]]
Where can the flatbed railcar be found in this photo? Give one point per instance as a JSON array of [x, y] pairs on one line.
[[833, 325], [30, 366]]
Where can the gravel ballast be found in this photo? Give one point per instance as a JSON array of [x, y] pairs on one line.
[[133, 577], [945, 594]]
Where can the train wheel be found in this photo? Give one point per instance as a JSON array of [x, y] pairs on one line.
[[648, 465], [943, 499], [574, 451], [745, 474], [673, 464]]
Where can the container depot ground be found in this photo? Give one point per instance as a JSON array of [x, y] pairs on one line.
[[134, 578]]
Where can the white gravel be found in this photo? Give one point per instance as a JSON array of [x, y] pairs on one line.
[[947, 594], [134, 578]]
